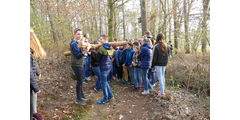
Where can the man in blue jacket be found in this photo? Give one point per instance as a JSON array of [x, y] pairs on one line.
[[105, 51], [77, 63], [128, 63]]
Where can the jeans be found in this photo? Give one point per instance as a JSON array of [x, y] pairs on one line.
[[110, 75], [87, 66], [34, 100], [161, 78], [131, 74], [96, 71], [79, 74], [107, 92], [153, 76], [137, 77], [31, 104], [145, 78]]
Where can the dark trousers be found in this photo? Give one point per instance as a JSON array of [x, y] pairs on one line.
[[120, 72], [79, 72]]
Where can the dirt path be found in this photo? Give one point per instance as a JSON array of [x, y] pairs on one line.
[[58, 96]]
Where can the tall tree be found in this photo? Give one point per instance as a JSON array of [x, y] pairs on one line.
[[55, 37], [143, 16], [124, 28], [175, 24], [186, 23], [204, 24]]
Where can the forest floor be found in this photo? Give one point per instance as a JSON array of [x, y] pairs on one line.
[[57, 99]]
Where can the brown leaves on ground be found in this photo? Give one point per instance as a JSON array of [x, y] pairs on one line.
[[57, 98]]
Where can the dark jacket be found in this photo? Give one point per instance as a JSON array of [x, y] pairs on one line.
[[35, 68], [145, 55], [123, 56], [119, 56], [105, 51], [33, 82], [136, 61], [95, 59], [77, 55], [129, 55], [158, 58]]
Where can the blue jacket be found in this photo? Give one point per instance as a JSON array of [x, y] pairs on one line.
[[33, 82], [77, 55], [119, 56], [105, 51], [129, 56], [145, 55]]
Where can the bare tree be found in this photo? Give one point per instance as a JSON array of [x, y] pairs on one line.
[[204, 24], [55, 37], [143, 16]]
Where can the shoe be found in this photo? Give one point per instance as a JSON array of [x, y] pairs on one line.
[[154, 85], [151, 89], [96, 90], [145, 92], [88, 78], [103, 101], [124, 82], [109, 98], [84, 98], [37, 116], [80, 102], [85, 82]]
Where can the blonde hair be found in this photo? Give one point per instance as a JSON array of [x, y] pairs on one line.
[[35, 46]]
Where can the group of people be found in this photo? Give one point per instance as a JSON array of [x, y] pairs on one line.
[[131, 64]]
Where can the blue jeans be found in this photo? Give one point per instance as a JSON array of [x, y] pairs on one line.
[[87, 66], [110, 75], [79, 74], [160, 73], [145, 79], [96, 71], [131, 74], [152, 75], [137, 77], [107, 92]]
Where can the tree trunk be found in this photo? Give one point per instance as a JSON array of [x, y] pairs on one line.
[[175, 24], [124, 28], [55, 37], [204, 25], [186, 22], [100, 17], [143, 16], [170, 24], [110, 20]]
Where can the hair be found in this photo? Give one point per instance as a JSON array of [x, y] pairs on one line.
[[85, 35], [147, 33], [95, 42], [104, 36], [136, 44], [115, 39], [161, 40], [76, 30], [36, 46], [130, 44], [147, 41]]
